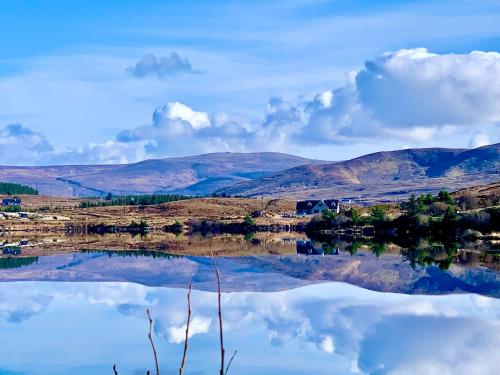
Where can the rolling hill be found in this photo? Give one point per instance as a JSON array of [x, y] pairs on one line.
[[382, 176], [194, 175]]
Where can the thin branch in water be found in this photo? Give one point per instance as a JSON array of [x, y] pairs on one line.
[[222, 350], [230, 361], [181, 369], [151, 341], [114, 369]]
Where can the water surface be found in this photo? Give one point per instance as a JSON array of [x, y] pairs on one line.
[[320, 311], [331, 328]]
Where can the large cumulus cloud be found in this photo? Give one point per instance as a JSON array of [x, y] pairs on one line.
[[176, 128], [409, 94]]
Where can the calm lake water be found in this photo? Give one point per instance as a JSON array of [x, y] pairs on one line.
[[285, 314]]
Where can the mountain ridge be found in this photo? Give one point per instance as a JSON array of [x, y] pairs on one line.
[[168, 175], [380, 176], [387, 175]]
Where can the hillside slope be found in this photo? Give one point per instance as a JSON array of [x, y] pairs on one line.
[[381, 176], [201, 174]]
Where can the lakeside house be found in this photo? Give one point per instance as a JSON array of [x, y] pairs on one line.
[[317, 206], [11, 202]]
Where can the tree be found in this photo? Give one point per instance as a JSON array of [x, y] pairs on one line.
[[355, 216], [328, 215], [445, 197], [8, 188], [450, 216], [414, 205], [248, 221], [378, 213]]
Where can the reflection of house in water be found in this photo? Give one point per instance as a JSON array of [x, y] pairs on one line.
[[309, 248], [11, 250]]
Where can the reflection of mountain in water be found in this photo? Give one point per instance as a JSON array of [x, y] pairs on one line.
[[261, 273]]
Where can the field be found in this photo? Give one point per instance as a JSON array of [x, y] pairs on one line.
[[197, 208]]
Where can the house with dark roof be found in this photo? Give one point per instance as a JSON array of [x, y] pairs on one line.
[[313, 207], [11, 202]]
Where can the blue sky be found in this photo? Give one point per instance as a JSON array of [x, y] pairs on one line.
[[84, 79]]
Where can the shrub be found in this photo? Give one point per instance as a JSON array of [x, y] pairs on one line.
[[437, 208], [378, 213]]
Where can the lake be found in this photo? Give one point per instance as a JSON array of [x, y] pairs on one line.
[[336, 312]]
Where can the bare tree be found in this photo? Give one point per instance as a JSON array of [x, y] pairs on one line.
[[152, 343]]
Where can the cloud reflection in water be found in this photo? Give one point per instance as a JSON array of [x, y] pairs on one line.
[[332, 328]]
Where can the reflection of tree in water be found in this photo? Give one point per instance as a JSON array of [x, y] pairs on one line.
[[440, 254], [417, 251], [9, 263], [133, 253]]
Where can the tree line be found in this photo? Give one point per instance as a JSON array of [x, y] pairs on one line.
[[9, 188], [133, 200], [424, 215]]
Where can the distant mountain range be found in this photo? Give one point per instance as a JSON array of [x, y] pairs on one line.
[[192, 175], [382, 176]]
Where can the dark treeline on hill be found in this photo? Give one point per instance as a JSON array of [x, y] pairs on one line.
[[133, 200], [425, 216], [9, 188]]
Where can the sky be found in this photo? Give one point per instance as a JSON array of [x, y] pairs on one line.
[[118, 82]]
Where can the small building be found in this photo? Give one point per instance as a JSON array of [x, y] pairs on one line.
[[312, 206], [11, 202]]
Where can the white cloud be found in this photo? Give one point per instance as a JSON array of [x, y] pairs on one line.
[[179, 111], [410, 94], [327, 344], [19, 144], [161, 67], [198, 325], [479, 140]]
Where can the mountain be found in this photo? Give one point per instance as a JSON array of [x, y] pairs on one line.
[[382, 176], [195, 175]]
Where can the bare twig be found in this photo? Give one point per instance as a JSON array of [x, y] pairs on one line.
[[230, 361], [114, 369], [181, 369], [222, 350], [152, 344]]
